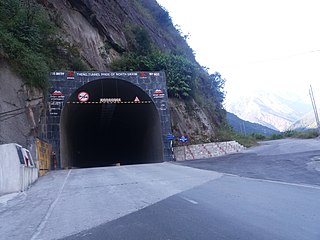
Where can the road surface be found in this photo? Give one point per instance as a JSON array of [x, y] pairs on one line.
[[234, 197], [287, 160], [227, 208]]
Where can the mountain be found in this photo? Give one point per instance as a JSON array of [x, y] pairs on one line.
[[268, 109], [246, 127], [308, 121]]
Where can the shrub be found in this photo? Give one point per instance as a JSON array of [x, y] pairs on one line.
[[307, 134], [180, 72], [276, 136], [247, 141], [29, 44], [258, 136], [25, 29]]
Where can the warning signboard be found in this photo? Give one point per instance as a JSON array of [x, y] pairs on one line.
[[136, 100], [158, 93], [57, 93], [83, 96], [43, 156]]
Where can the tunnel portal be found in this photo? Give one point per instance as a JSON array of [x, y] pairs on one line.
[[99, 119], [119, 124]]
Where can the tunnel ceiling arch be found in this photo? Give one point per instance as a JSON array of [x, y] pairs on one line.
[[104, 118]]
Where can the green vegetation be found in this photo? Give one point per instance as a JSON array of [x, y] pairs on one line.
[[258, 136], [247, 141], [25, 29], [304, 135], [185, 78], [251, 140], [226, 133], [295, 134], [28, 42], [276, 136], [179, 70], [153, 12]]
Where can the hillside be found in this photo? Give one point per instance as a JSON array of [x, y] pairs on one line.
[[246, 127], [41, 36]]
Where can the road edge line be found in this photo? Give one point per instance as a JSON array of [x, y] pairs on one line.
[[275, 181]]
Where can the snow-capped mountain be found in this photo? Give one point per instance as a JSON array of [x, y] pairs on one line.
[[308, 121], [268, 109]]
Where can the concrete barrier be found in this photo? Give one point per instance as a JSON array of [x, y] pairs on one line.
[[207, 150], [17, 168]]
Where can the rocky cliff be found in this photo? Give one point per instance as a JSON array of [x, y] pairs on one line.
[[21, 108], [102, 30]]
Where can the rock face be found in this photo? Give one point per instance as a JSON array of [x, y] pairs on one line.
[[20, 109], [102, 30], [195, 124]]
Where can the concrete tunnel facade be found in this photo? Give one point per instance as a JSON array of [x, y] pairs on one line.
[[104, 118]]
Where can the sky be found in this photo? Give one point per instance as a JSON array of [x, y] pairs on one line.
[[271, 45]]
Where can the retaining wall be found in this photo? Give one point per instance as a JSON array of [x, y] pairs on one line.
[[16, 172], [207, 150]]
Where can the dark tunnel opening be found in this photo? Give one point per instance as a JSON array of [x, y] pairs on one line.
[[122, 130]]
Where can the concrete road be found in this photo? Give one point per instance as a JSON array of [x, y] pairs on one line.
[[171, 201], [63, 203]]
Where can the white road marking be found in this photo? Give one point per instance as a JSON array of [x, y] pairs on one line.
[[274, 181], [190, 200], [50, 210]]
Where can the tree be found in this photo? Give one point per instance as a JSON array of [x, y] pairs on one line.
[[217, 84]]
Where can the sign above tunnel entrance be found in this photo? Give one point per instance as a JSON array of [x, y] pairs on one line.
[[83, 97], [73, 75], [110, 100]]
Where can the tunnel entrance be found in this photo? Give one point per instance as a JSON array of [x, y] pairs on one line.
[[110, 121]]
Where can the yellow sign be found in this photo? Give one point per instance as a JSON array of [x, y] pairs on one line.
[[43, 156]]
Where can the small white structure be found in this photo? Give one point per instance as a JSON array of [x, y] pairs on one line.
[[17, 168]]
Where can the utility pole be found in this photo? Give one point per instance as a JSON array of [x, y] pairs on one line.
[[244, 129], [314, 108]]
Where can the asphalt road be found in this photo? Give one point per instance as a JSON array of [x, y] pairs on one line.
[[287, 160], [267, 192]]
